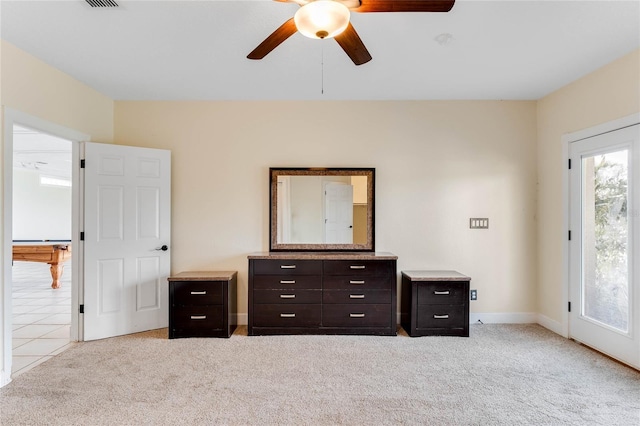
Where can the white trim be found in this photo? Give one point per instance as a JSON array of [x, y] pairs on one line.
[[564, 326], [567, 139], [503, 318], [599, 129], [550, 324], [11, 117]]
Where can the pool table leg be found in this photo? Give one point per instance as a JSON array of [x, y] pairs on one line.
[[56, 273]]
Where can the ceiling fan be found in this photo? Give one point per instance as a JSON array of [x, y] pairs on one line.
[[330, 19]]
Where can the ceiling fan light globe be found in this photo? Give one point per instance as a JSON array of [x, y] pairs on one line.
[[322, 19]]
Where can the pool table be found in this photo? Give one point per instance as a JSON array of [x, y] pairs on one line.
[[55, 253]]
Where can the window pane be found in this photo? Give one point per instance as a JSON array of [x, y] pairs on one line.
[[605, 274]]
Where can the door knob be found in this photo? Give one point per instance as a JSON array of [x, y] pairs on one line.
[[163, 248]]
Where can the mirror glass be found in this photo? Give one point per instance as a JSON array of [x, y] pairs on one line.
[[322, 209]]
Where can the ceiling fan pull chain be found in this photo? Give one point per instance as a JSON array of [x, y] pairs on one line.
[[322, 71]]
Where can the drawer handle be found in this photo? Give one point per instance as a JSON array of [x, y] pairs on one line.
[[287, 281], [356, 296], [356, 281], [441, 293], [357, 266], [287, 315], [441, 316], [287, 296], [198, 292], [287, 266], [198, 317], [356, 315]]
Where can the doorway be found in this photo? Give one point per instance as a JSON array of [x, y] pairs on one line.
[[604, 249], [41, 200], [16, 118]]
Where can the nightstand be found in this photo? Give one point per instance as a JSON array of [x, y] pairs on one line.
[[202, 304], [435, 303]]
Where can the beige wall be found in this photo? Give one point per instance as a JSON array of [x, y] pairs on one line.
[[610, 93], [35, 88], [437, 164]]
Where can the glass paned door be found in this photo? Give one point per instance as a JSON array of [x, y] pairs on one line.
[[604, 265], [605, 239]]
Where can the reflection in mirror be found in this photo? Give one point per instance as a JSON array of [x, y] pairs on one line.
[[322, 209]]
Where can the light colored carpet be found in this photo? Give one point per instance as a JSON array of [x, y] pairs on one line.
[[501, 375]]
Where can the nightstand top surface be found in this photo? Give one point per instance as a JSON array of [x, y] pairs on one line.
[[203, 276], [435, 276]]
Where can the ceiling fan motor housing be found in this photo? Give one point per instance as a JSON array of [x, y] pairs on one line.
[[322, 19]]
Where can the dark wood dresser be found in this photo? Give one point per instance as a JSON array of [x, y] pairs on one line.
[[435, 303], [202, 304], [322, 293]]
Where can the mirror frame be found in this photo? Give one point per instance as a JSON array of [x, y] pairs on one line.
[[274, 172]]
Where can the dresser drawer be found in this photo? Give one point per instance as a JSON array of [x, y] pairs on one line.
[[358, 268], [350, 315], [286, 267], [356, 297], [442, 293], [441, 316], [286, 315], [351, 283], [205, 317], [275, 282], [287, 296], [196, 293]]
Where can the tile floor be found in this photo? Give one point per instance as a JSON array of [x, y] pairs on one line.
[[41, 315]]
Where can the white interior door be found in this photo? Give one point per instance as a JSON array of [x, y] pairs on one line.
[[127, 199], [605, 243], [338, 219]]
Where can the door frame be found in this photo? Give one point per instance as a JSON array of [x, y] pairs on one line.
[[567, 139], [11, 117]]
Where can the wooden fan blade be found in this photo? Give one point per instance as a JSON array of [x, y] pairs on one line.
[[353, 46], [285, 31], [404, 6]]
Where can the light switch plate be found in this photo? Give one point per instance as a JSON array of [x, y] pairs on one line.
[[479, 223]]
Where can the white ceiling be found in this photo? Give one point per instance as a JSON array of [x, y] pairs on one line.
[[40, 153], [196, 50]]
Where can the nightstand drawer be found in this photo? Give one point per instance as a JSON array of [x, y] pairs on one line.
[[441, 316], [286, 267], [351, 315], [442, 293], [356, 297], [205, 317], [358, 268], [196, 293], [286, 315], [287, 296]]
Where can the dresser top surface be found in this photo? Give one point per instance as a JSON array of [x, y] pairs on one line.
[[435, 276], [324, 255], [203, 276]]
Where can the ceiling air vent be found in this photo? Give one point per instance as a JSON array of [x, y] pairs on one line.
[[102, 3]]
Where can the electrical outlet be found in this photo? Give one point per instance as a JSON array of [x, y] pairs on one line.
[[473, 294]]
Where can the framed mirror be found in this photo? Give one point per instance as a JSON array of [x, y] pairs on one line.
[[322, 209]]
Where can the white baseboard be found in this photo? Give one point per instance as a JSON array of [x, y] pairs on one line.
[[5, 379], [485, 318], [503, 318], [242, 319], [550, 324]]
